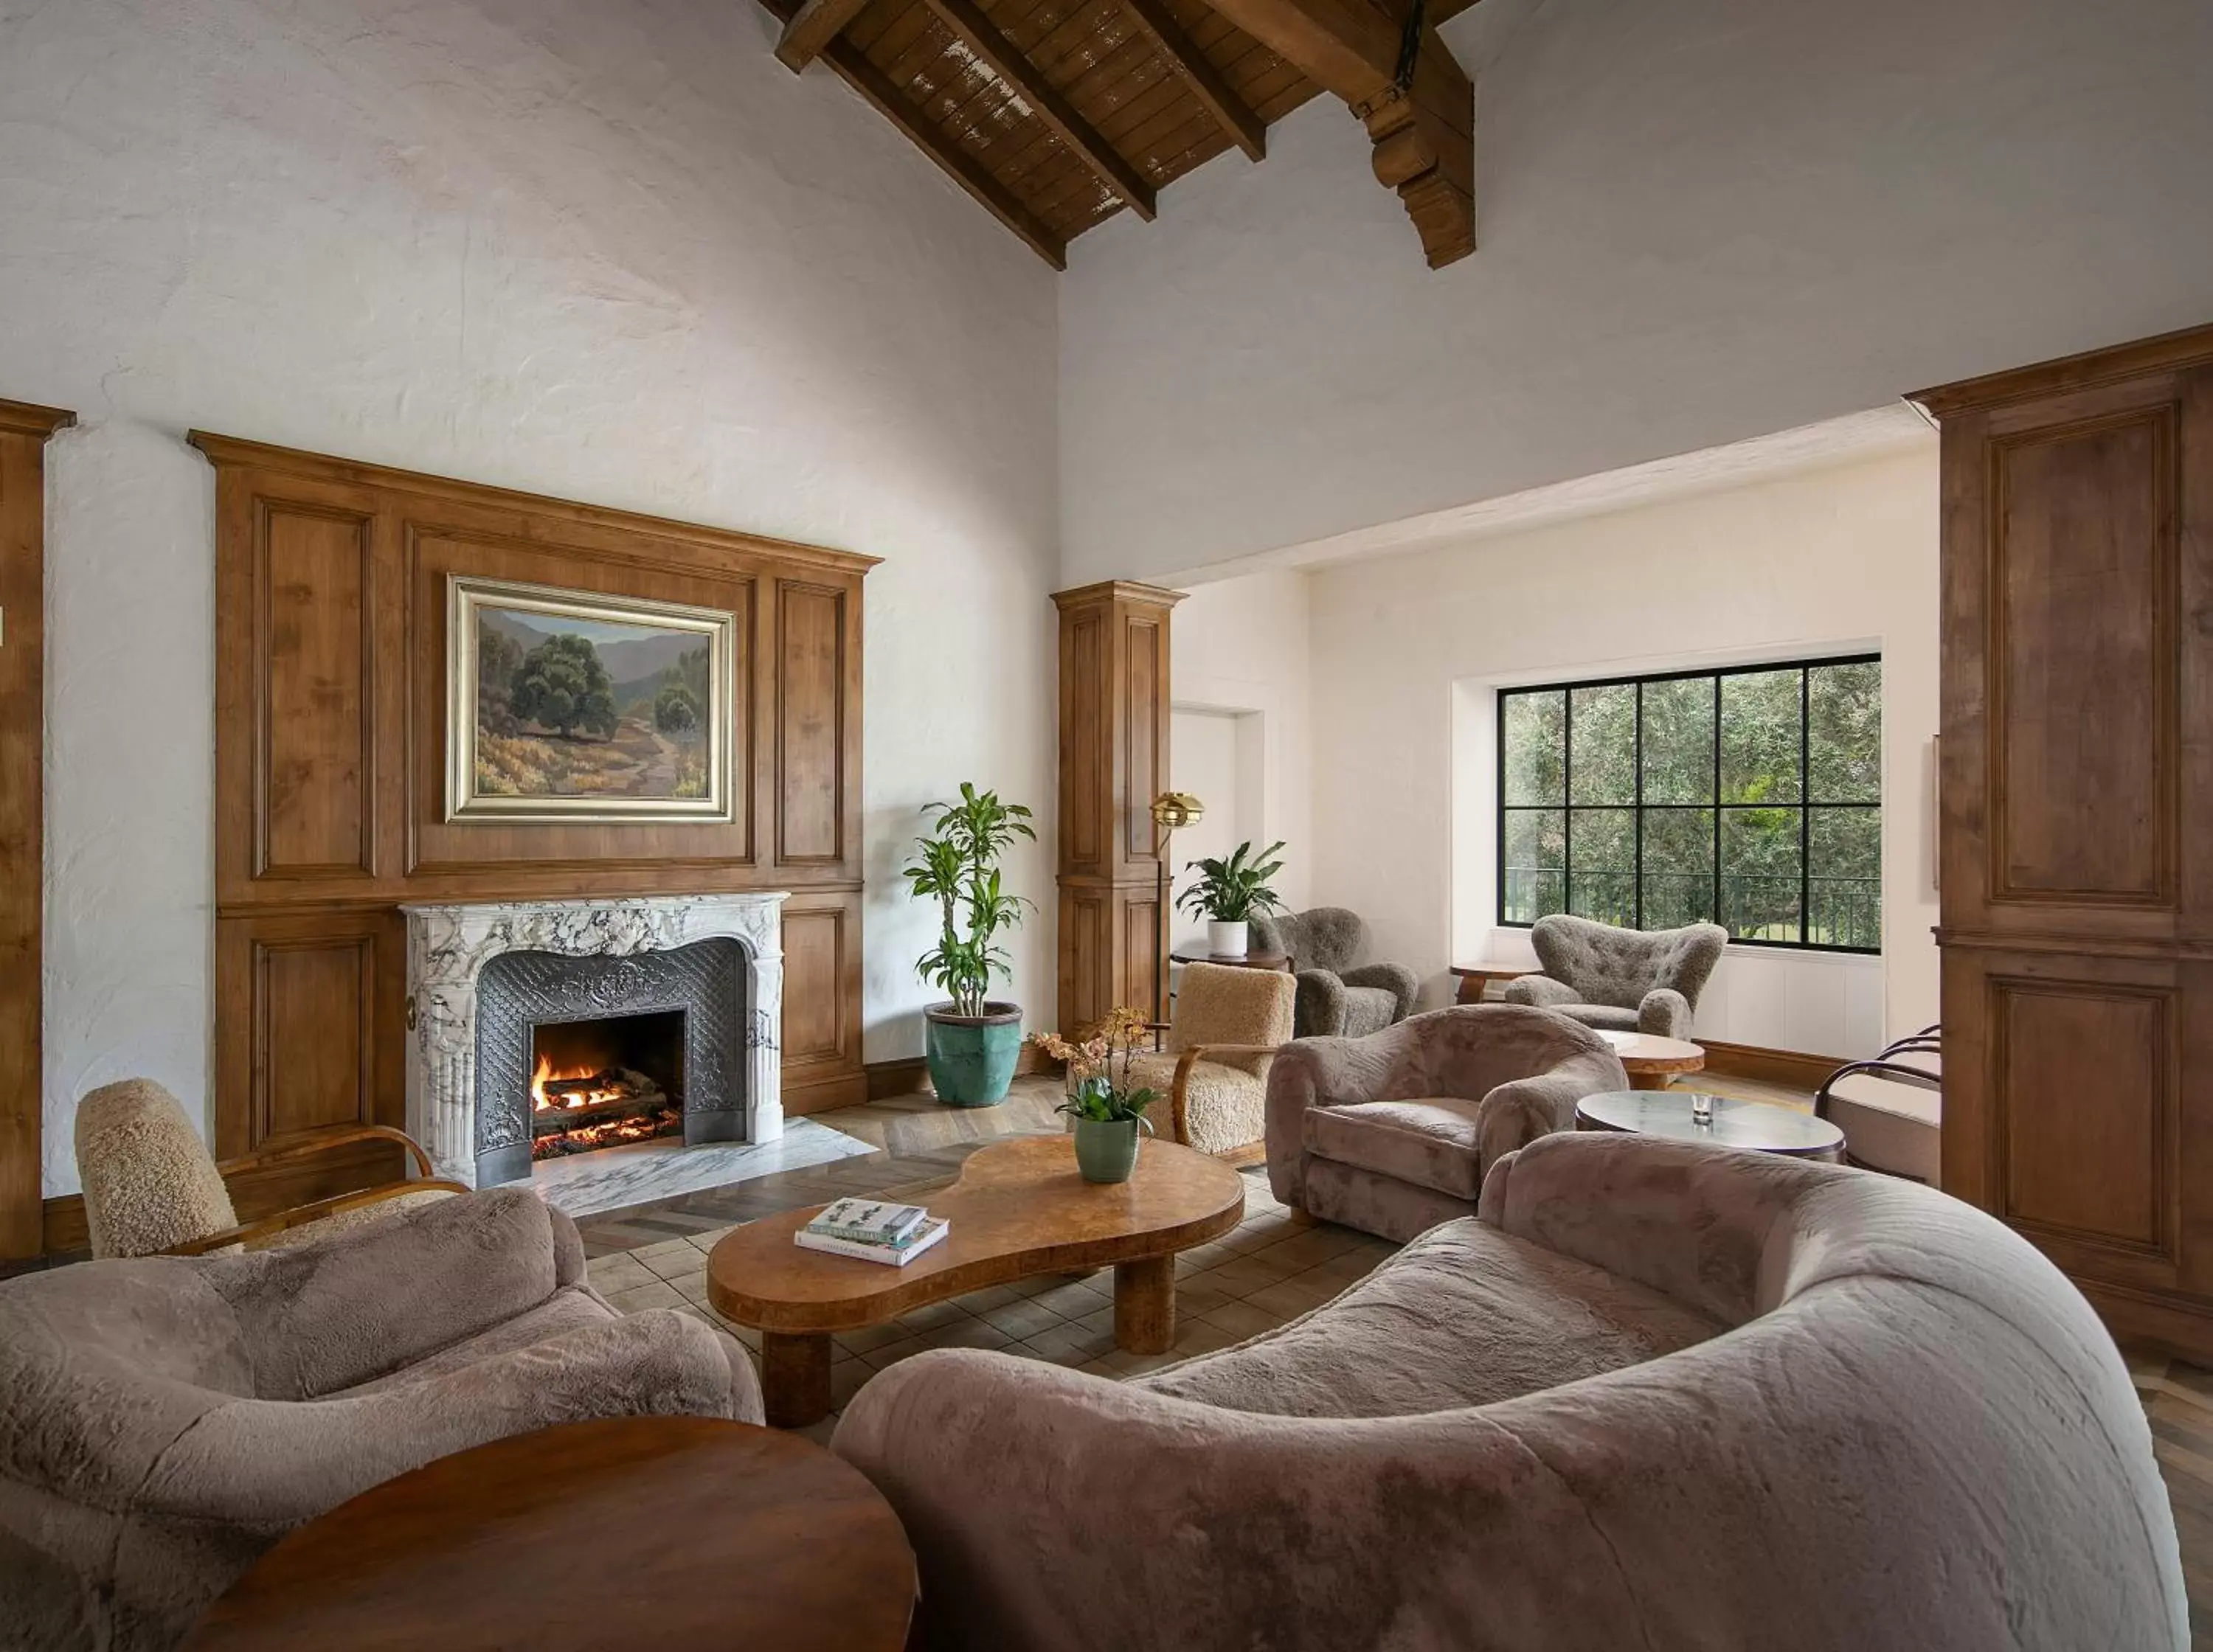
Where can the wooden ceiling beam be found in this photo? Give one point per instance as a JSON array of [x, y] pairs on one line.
[[1424, 133], [1181, 53], [812, 26], [852, 66], [1000, 55]]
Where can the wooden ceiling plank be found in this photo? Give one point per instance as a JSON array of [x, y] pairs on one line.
[[998, 54], [854, 67], [814, 25], [1237, 120]]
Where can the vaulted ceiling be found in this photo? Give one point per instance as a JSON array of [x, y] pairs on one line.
[[1057, 114]]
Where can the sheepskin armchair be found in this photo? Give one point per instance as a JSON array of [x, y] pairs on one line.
[[1226, 1028], [1340, 996], [163, 1420], [1654, 1395], [1623, 980], [1393, 1133], [151, 1187]]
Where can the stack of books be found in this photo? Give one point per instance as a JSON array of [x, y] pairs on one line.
[[873, 1230]]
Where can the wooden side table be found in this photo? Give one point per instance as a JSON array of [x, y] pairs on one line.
[[1476, 979], [1281, 960], [671, 1532]]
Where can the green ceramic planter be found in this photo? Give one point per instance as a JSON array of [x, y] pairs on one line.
[[972, 1057], [1106, 1148]]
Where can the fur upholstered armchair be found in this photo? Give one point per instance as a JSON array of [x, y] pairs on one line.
[[1213, 1076], [1624, 980], [1340, 997], [1393, 1133], [163, 1420]]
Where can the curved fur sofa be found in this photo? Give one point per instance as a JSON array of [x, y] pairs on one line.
[[1392, 1133], [1654, 1395], [165, 1419]]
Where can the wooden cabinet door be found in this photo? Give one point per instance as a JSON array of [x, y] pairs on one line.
[[2078, 876]]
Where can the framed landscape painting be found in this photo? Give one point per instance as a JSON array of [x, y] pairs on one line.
[[572, 705]]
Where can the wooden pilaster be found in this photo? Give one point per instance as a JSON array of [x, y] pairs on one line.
[[1114, 762]]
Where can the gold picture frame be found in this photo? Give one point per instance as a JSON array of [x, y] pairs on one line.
[[575, 706]]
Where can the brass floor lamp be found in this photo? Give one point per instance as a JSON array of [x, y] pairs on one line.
[[1171, 812]]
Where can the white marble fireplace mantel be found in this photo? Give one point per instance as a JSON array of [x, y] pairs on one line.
[[449, 944]]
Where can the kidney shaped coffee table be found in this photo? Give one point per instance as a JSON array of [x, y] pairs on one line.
[[1018, 1208]]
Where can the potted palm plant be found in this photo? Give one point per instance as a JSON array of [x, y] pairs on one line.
[[972, 1039], [1109, 1111], [1229, 891]]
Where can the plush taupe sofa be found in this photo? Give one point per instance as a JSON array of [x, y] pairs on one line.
[[164, 1419], [1657, 1395], [1392, 1133]]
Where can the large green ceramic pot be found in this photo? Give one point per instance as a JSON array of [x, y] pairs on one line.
[[972, 1057], [1106, 1148]]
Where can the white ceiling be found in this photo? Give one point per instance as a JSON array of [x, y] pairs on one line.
[[1700, 222]]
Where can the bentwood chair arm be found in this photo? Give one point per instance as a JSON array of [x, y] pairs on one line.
[[322, 1142], [1190, 1057]]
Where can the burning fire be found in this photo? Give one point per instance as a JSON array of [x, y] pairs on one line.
[[572, 1094]]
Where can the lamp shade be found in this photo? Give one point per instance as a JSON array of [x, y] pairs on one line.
[[1175, 810]]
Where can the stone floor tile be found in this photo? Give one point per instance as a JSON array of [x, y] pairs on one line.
[[621, 1272], [864, 1338], [931, 1315], [656, 1294], [1242, 1319], [1021, 1318]]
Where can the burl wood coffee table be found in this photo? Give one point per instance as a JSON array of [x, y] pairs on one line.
[[671, 1532], [1018, 1208]]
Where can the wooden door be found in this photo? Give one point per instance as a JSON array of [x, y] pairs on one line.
[[2077, 903], [23, 432]]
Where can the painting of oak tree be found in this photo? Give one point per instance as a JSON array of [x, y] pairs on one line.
[[570, 707]]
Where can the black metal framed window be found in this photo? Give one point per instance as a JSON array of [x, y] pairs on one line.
[[1750, 796]]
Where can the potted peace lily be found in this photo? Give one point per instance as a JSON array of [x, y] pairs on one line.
[[972, 1039], [1109, 1110], [1229, 891]]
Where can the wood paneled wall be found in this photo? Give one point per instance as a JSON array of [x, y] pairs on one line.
[[23, 432], [2077, 874], [331, 758], [1114, 762]]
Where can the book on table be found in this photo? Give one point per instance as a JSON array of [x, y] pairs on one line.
[[919, 1238], [869, 1221]]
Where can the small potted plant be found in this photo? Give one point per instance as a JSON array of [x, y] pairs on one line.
[[1109, 1111], [972, 1039], [1229, 891]]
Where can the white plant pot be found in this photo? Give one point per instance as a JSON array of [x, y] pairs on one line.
[[1226, 939]]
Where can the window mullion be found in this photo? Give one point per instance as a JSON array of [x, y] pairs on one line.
[[1637, 815], [1805, 807], [1720, 906], [1567, 800]]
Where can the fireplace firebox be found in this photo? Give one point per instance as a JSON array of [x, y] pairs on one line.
[[605, 1082], [575, 1054]]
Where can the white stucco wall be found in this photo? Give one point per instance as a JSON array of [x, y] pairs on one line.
[[1240, 646], [1699, 220], [614, 253], [1408, 651]]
